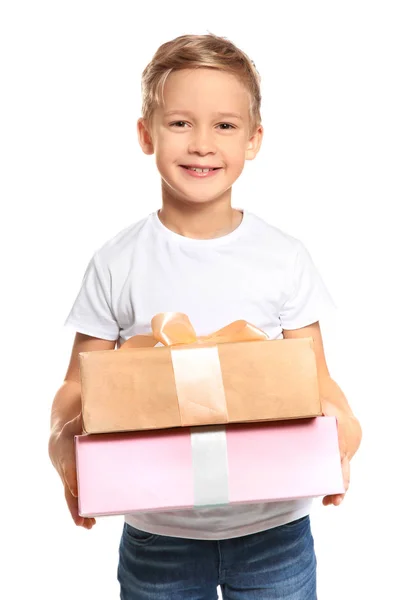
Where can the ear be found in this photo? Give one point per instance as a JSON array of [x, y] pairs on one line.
[[254, 143], [144, 136]]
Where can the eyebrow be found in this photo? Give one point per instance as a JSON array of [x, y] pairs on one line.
[[217, 114]]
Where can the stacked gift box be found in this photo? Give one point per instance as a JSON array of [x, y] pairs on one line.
[[175, 421]]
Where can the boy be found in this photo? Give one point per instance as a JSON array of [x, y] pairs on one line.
[[198, 255]]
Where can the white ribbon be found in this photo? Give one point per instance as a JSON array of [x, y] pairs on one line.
[[210, 466]]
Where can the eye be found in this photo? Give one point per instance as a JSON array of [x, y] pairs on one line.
[[227, 126], [178, 124]]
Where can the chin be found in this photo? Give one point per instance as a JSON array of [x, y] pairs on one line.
[[193, 196]]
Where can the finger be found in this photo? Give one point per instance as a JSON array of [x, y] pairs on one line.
[[346, 472], [70, 478], [89, 522], [342, 441], [75, 426], [327, 500], [334, 499], [86, 522], [72, 503], [337, 499]]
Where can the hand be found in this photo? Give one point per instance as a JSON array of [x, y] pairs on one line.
[[337, 499], [349, 434], [62, 454]]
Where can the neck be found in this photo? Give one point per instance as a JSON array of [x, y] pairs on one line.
[[199, 221]]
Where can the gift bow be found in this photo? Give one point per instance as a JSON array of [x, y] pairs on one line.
[[198, 377], [175, 329]]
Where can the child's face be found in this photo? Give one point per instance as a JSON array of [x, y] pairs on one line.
[[193, 128]]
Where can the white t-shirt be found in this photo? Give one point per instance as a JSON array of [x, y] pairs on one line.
[[256, 273]]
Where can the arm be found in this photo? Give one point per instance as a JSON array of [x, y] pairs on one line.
[[67, 402], [66, 422], [334, 403]]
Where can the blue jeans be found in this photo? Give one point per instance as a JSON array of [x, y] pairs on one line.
[[278, 563]]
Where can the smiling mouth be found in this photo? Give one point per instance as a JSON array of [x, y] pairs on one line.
[[201, 170]]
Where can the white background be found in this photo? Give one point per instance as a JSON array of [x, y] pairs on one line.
[[73, 175]]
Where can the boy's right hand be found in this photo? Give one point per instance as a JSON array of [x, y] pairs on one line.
[[62, 454]]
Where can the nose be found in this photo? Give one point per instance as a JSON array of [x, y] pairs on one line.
[[202, 141]]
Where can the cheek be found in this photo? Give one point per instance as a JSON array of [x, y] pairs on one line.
[[168, 146], [235, 154]]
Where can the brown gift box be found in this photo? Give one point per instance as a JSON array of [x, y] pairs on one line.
[[197, 381]]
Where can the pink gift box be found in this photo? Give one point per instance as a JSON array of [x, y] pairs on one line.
[[207, 466]]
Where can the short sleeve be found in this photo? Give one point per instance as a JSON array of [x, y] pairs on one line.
[[91, 312], [307, 298]]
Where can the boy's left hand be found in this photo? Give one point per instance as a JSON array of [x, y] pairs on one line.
[[349, 432]]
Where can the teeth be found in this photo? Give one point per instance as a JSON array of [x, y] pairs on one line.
[[199, 170]]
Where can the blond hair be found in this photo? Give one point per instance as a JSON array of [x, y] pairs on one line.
[[194, 52]]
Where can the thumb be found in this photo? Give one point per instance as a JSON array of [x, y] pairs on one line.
[[346, 471], [70, 478], [75, 426]]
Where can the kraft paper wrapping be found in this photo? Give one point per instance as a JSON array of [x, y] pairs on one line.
[[233, 375]]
